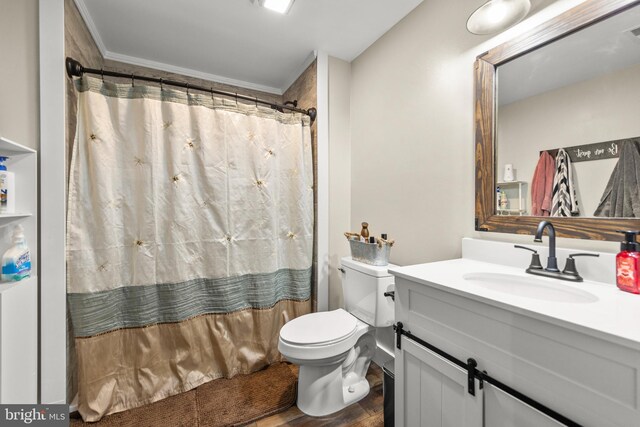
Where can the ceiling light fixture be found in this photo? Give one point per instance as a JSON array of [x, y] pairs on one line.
[[497, 15], [280, 6]]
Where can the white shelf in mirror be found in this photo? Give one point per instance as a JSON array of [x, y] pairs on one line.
[[516, 192]]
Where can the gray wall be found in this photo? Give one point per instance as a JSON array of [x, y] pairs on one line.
[[339, 174], [19, 94]]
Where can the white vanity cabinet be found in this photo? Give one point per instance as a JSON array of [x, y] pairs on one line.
[[588, 377]]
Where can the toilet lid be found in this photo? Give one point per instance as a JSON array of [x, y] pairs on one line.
[[319, 328]]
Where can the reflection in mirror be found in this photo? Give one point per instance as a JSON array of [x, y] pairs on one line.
[[567, 114]]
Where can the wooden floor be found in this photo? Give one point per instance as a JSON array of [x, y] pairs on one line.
[[366, 413]]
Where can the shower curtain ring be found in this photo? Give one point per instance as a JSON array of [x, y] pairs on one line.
[[256, 102], [188, 89], [161, 85], [133, 84], [236, 99], [102, 74]]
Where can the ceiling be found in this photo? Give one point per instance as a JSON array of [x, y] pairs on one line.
[[594, 51], [236, 41]]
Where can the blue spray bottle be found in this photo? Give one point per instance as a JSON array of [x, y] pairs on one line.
[[16, 261]]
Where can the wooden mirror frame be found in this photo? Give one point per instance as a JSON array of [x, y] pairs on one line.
[[581, 16]]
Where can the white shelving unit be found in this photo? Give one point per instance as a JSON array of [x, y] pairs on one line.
[[516, 192], [19, 300]]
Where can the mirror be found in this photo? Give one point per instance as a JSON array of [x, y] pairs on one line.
[[582, 94], [565, 95]]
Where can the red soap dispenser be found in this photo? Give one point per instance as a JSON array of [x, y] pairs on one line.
[[628, 263]]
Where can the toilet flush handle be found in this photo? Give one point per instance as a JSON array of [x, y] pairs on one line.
[[391, 294], [341, 270]]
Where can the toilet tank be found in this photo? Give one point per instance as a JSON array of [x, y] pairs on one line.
[[363, 287]]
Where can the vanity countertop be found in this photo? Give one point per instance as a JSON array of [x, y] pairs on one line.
[[600, 309]]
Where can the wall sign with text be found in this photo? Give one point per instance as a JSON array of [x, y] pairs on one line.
[[597, 151]]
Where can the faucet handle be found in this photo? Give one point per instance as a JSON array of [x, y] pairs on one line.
[[570, 266], [582, 254], [535, 257]]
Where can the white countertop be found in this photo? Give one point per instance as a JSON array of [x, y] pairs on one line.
[[608, 313]]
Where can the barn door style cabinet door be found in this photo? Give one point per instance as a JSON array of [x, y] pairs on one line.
[[503, 410], [432, 392]]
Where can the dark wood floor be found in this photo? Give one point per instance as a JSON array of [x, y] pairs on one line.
[[366, 413]]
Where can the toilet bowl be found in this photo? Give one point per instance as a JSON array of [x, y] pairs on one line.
[[334, 348], [333, 359]]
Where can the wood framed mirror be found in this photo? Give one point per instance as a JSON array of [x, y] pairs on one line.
[[486, 70]]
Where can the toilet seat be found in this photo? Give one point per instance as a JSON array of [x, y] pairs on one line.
[[319, 328], [320, 335]]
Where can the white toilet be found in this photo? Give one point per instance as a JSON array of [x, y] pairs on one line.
[[334, 348]]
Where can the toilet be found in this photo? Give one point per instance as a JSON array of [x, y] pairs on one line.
[[334, 348]]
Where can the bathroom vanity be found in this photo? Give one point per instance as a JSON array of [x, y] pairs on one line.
[[573, 348]]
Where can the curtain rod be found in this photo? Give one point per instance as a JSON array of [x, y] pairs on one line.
[[74, 68]]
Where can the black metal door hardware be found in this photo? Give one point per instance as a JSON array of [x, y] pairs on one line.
[[471, 366]]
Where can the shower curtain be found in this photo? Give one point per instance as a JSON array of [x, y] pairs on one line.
[[189, 243]]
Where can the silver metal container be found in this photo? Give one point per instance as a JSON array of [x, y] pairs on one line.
[[369, 253]]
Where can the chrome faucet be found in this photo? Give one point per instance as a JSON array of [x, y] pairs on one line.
[[569, 272], [552, 261]]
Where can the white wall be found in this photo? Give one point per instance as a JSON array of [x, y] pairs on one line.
[[412, 132], [597, 110], [53, 296], [339, 174], [19, 102]]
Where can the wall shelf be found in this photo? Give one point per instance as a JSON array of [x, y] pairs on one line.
[[19, 300], [516, 192], [8, 218], [7, 147]]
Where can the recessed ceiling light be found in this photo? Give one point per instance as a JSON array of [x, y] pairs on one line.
[[497, 15], [280, 6]]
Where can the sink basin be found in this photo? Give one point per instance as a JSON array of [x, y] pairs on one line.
[[530, 287]]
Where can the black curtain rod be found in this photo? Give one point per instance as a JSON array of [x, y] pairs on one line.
[[74, 68]]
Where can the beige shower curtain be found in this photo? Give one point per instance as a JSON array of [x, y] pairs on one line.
[[190, 234]]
